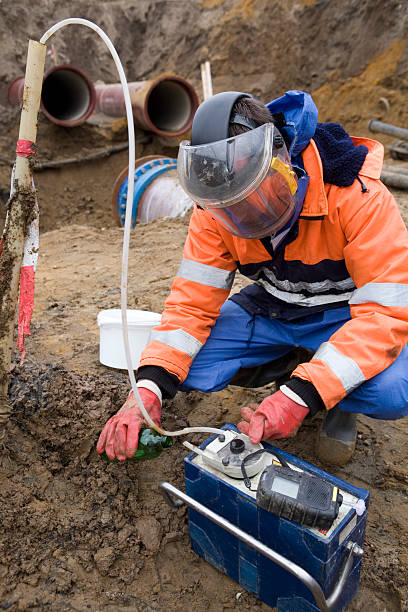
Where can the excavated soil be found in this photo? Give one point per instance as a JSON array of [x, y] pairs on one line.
[[76, 532]]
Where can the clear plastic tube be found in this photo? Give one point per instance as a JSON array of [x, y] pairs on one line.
[[128, 219]]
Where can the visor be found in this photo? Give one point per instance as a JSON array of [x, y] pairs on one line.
[[247, 181]]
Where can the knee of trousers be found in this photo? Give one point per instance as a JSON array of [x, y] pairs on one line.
[[391, 387], [394, 399], [383, 397]]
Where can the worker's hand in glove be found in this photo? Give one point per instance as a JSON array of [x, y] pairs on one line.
[[277, 416], [120, 436]]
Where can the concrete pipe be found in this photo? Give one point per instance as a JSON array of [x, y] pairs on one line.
[[395, 170], [67, 96], [393, 179], [387, 128], [399, 149], [165, 105], [157, 191]]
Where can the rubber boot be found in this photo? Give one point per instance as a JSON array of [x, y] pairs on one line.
[[336, 440]]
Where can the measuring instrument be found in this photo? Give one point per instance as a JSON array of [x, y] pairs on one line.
[[298, 496], [285, 530], [289, 493]]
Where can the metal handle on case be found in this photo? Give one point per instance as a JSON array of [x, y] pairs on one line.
[[324, 604]]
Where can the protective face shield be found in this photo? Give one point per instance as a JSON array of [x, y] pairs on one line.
[[246, 181]]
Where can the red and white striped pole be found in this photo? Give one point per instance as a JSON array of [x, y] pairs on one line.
[[20, 215]]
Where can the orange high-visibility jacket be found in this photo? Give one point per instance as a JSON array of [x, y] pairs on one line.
[[342, 226]]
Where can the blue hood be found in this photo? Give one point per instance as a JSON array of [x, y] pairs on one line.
[[300, 114], [341, 160]]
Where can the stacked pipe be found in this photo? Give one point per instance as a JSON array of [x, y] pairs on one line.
[[390, 175], [164, 105], [395, 177], [386, 128]]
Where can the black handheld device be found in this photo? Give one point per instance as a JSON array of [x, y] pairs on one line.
[[298, 496], [293, 495]]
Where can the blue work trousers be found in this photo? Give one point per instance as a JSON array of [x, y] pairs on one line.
[[241, 340]]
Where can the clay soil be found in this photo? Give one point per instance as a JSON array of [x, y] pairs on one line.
[[78, 533]]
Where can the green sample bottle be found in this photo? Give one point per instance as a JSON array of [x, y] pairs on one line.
[[150, 446]]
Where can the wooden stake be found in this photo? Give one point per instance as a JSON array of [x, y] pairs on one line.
[[206, 80], [19, 213]]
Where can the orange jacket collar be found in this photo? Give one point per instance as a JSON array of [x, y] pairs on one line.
[[373, 162], [315, 204]]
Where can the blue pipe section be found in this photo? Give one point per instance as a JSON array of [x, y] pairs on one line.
[[144, 175]]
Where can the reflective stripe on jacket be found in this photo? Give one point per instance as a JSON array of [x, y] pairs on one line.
[[351, 246]]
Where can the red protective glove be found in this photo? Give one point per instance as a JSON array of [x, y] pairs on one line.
[[120, 436], [277, 416]]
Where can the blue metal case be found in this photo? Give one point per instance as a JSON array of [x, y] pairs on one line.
[[321, 555]]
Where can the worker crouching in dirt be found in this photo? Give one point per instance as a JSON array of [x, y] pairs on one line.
[[297, 207]]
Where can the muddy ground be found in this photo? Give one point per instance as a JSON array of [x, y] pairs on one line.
[[77, 533]]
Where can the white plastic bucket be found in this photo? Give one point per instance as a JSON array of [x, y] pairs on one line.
[[111, 345]]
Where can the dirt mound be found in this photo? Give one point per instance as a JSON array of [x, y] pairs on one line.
[[78, 532], [74, 513]]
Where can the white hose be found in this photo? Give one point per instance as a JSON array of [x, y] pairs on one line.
[[128, 219]]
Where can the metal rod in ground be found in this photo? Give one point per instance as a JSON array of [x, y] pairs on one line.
[[20, 209], [386, 128], [393, 179]]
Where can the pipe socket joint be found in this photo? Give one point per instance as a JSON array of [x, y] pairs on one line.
[[157, 191], [165, 105], [67, 97]]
